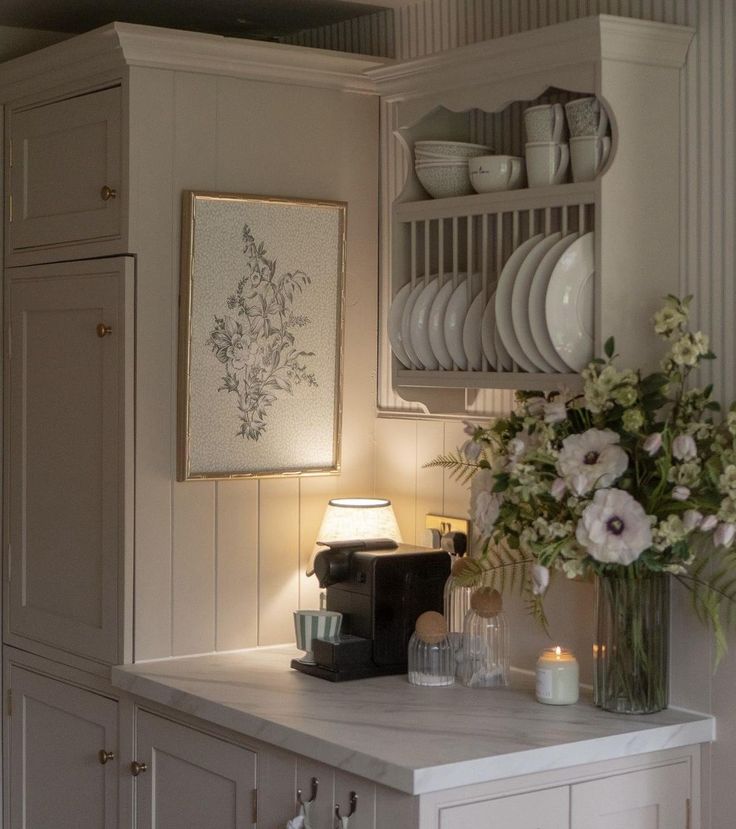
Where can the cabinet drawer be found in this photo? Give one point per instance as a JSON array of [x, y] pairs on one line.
[[547, 809], [62, 157]]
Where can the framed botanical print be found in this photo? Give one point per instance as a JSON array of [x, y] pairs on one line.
[[260, 336]]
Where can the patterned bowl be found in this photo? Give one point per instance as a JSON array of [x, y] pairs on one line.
[[444, 180], [315, 624], [455, 149]]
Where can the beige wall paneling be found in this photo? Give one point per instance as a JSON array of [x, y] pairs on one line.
[[194, 504], [151, 127], [430, 436], [396, 471], [278, 560]]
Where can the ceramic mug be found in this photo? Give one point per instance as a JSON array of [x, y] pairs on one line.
[[586, 116], [588, 156], [315, 624], [546, 163], [490, 173], [544, 122]]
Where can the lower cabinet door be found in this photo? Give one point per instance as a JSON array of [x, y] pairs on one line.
[[189, 780], [648, 799], [58, 779], [547, 809]]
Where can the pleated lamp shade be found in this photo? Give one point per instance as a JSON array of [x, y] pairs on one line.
[[349, 518]]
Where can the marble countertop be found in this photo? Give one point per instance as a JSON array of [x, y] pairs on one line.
[[413, 739]]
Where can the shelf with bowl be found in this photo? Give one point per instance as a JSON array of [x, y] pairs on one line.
[[622, 228]]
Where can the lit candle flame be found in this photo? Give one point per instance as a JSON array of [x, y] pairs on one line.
[[558, 650]]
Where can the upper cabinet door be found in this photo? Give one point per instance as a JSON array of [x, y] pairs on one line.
[[654, 798], [66, 415], [191, 780], [66, 182]]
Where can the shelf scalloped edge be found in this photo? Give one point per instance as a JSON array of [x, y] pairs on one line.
[[520, 380], [526, 198]]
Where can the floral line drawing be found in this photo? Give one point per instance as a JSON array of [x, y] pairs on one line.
[[256, 341]]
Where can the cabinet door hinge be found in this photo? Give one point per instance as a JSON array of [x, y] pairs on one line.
[[688, 814], [254, 806], [10, 702]]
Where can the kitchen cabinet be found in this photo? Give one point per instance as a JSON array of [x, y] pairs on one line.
[[62, 755], [546, 809], [68, 419], [186, 779], [655, 798], [66, 176], [478, 93]]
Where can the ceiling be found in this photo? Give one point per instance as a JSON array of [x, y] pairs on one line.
[[263, 19]]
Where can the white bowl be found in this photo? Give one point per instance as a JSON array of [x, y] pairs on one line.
[[445, 180], [447, 162], [458, 149], [492, 173]]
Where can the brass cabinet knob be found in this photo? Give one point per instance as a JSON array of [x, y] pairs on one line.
[[107, 193], [137, 768], [103, 330], [105, 756]]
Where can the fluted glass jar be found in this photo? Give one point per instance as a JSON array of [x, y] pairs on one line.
[[486, 661], [431, 663]]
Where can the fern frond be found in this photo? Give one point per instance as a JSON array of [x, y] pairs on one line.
[[535, 607], [456, 464]]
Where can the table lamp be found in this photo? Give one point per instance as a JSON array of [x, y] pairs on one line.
[[358, 518]]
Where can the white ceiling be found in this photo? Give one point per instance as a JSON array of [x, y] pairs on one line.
[[234, 18]]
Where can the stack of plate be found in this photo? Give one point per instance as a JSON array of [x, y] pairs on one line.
[[539, 318], [442, 166]]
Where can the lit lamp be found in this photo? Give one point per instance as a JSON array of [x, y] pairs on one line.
[[358, 518]]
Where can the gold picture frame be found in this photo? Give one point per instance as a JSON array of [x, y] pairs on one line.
[[261, 316]]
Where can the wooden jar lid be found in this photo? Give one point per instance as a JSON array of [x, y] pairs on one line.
[[431, 627], [486, 602]]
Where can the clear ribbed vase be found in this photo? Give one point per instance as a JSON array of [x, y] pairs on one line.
[[632, 642], [456, 605], [431, 663], [486, 661]]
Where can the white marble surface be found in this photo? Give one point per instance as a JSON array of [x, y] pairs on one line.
[[413, 739]]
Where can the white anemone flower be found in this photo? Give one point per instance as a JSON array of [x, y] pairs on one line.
[[592, 460], [614, 528]]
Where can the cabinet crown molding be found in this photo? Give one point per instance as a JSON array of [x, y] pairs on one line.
[[113, 47]]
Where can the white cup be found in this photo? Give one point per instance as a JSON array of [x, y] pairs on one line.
[[546, 163], [544, 122], [586, 116], [491, 173], [588, 156]]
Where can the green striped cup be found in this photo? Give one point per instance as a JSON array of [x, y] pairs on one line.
[[315, 624]]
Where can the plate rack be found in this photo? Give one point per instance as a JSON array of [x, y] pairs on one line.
[[450, 237]]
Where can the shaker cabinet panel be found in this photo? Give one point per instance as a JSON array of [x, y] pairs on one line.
[[191, 780], [65, 431], [56, 778], [547, 809], [654, 798], [65, 172]]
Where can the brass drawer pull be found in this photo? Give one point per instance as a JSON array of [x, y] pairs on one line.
[[137, 768], [103, 330], [107, 193], [105, 756]]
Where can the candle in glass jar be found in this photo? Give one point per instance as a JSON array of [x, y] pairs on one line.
[[558, 677]]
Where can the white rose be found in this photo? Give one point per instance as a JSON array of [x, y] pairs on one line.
[[680, 493], [540, 579], [614, 528]]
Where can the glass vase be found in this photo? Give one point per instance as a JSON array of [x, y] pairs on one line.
[[632, 642]]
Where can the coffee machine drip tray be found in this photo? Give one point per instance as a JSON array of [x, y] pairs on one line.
[[349, 657]]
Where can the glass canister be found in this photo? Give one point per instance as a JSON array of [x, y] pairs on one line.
[[457, 604], [485, 641], [431, 655]]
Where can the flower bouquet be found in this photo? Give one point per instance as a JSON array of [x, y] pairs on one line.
[[634, 481]]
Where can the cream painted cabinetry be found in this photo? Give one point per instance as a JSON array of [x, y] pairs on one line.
[[55, 734], [478, 93], [66, 185], [548, 809], [68, 406], [186, 779]]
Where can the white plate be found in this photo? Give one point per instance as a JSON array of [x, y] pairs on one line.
[[537, 298], [437, 324], [471, 333], [520, 301], [504, 291], [419, 325], [394, 325], [569, 303], [503, 358], [406, 318], [457, 309], [488, 330]]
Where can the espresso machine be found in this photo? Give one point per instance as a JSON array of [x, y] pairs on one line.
[[380, 587]]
